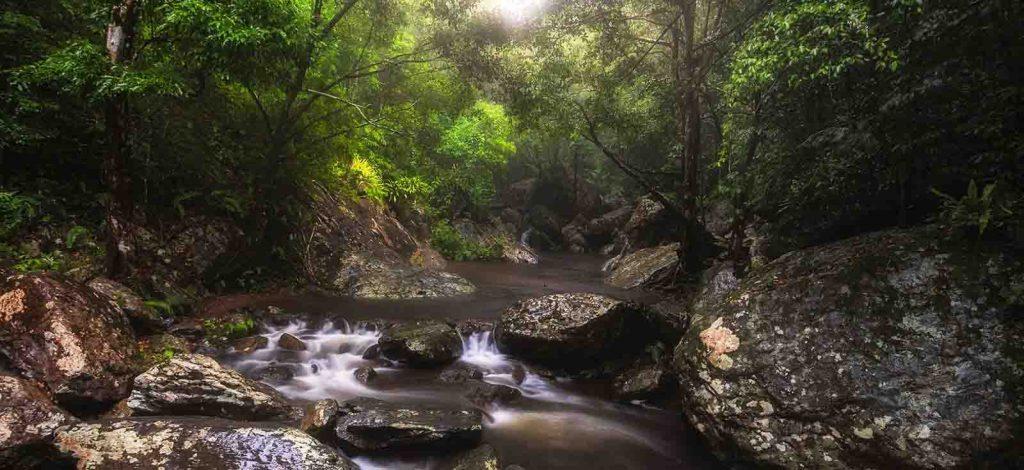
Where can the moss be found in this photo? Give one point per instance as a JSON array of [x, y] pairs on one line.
[[224, 330]]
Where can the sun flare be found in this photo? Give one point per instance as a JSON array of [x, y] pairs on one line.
[[513, 11]]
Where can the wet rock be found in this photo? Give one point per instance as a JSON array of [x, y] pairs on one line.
[[643, 381], [888, 350], [319, 418], [368, 278], [601, 229], [369, 425], [460, 373], [421, 344], [249, 344], [650, 224], [275, 373], [518, 374], [485, 394], [567, 330], [372, 353], [28, 420], [188, 328], [195, 443], [518, 253], [143, 319], [481, 458], [365, 374], [646, 267], [67, 337], [191, 384], [291, 343]]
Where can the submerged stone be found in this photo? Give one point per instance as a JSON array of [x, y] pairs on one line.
[[371, 425]]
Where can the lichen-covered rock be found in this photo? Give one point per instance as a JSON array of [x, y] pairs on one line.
[[888, 350], [485, 394], [566, 330], [421, 343], [192, 384], [365, 277], [28, 420], [642, 381], [370, 425], [365, 374], [67, 337], [319, 418], [194, 443], [645, 267], [275, 373], [481, 458], [517, 253], [460, 373], [144, 319]]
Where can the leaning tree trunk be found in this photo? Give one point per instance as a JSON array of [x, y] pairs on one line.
[[688, 126], [120, 35]]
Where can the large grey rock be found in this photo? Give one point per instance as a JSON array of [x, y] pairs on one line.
[[370, 425], [421, 343], [68, 337], [195, 443], [318, 419], [887, 350], [365, 277], [192, 384], [645, 267], [28, 420], [568, 330]]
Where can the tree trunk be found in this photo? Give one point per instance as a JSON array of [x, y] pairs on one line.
[[120, 207], [688, 125]]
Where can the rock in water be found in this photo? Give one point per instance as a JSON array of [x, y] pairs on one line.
[[485, 394], [319, 418], [566, 330], [644, 268], [421, 344], [195, 443], [481, 458], [365, 375], [250, 343], [369, 425], [364, 277], [68, 337], [642, 381], [887, 350], [192, 384], [28, 420], [291, 343]]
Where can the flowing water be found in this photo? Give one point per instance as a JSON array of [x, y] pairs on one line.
[[558, 424]]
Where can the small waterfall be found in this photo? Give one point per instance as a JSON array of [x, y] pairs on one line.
[[480, 350]]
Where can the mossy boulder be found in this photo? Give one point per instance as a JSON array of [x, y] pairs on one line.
[[888, 350]]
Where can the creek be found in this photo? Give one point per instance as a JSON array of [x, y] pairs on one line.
[[557, 424]]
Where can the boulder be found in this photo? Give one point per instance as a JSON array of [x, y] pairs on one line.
[[291, 343], [460, 373], [517, 253], [365, 277], [195, 443], [646, 267], [642, 381], [567, 330], [365, 374], [319, 418], [143, 319], [192, 384], [28, 420], [601, 229], [481, 458], [888, 350], [485, 394], [370, 425], [421, 343], [158, 348], [275, 373], [68, 337], [250, 343]]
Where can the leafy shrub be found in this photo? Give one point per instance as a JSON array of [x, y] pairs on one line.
[[982, 212], [450, 243], [15, 211], [224, 330]]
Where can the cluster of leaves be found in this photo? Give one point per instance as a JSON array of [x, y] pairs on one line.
[[985, 212], [453, 245], [16, 211], [223, 330]]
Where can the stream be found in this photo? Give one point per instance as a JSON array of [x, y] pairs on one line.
[[557, 424]]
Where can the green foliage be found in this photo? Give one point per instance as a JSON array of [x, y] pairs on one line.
[[15, 212], [453, 245], [981, 212], [475, 146], [226, 330], [74, 235]]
